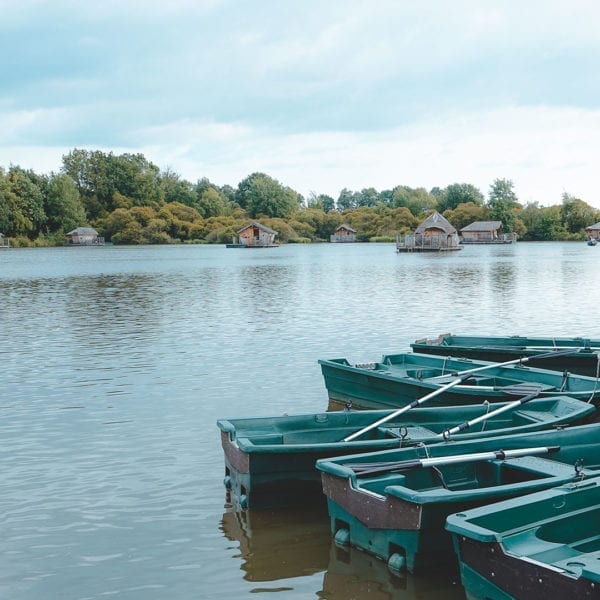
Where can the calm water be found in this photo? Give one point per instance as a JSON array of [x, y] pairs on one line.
[[116, 363]]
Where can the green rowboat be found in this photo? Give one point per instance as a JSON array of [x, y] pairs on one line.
[[270, 461], [540, 546], [398, 379], [584, 360], [394, 504]]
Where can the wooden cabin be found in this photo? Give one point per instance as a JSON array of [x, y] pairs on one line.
[[254, 235], [84, 236], [486, 232], [343, 233], [434, 234], [593, 231], [4, 241]]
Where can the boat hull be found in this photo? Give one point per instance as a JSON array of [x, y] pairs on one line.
[[400, 517], [583, 361], [398, 380], [270, 461], [546, 545]]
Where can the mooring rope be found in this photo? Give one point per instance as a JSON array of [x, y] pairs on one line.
[[488, 405], [597, 377]]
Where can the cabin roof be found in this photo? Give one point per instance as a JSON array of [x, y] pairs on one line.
[[346, 227], [259, 225], [595, 226], [483, 226], [436, 221], [83, 231]]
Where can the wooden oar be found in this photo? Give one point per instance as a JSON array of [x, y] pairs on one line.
[[458, 428], [505, 364], [460, 377], [406, 408], [364, 469]]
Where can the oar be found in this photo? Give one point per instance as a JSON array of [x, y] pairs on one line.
[[368, 469], [458, 428], [407, 407], [507, 363], [460, 377]]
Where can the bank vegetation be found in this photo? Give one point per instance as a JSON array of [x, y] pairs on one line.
[[129, 200]]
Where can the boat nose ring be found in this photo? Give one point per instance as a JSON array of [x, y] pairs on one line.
[[403, 432]]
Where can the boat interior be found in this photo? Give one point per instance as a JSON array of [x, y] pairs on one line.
[[534, 528], [466, 476]]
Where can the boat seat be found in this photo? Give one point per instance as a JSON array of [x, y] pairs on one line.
[[318, 436], [425, 373], [269, 438], [587, 563], [378, 483], [533, 416]]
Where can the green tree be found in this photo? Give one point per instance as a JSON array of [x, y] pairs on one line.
[[26, 186], [502, 202], [213, 203], [369, 197], [457, 193], [348, 200], [175, 189], [260, 194], [397, 220], [366, 220], [101, 178], [550, 226], [417, 200], [322, 201], [465, 214], [63, 205], [576, 214], [12, 221]]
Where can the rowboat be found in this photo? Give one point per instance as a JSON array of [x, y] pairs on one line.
[[270, 461], [584, 360], [394, 503], [400, 378], [543, 545]]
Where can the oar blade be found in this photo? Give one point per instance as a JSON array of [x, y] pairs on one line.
[[521, 389]]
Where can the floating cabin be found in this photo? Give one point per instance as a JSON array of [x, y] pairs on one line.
[[254, 235], [344, 233], [486, 232], [434, 234], [593, 231], [4, 241], [84, 236]]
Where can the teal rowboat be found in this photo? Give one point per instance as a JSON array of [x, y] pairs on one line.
[[399, 379], [540, 546], [584, 360], [270, 461], [394, 503]]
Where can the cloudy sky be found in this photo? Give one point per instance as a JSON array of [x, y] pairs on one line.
[[319, 94]]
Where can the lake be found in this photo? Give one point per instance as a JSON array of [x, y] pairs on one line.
[[116, 363]]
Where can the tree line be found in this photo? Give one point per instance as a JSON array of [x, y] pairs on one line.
[[129, 200]]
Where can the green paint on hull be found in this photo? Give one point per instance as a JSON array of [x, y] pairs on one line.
[[399, 379]]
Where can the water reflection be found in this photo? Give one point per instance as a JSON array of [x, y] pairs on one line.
[[279, 544], [352, 574], [283, 544]]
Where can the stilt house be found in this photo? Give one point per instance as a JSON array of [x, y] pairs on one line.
[[343, 233], [434, 234]]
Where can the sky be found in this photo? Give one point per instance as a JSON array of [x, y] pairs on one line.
[[319, 94]]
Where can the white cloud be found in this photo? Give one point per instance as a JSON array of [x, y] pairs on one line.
[[321, 96], [544, 151]]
